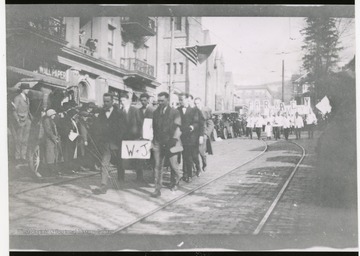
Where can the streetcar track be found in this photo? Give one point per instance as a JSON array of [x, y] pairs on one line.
[[281, 192], [144, 216]]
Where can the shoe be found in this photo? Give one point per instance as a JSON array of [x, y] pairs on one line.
[[84, 169], [198, 173], [186, 179], [38, 175], [155, 194], [101, 190]]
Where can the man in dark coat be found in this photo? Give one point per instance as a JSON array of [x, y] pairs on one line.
[[110, 125], [207, 128], [132, 131], [190, 124], [51, 141], [166, 124]]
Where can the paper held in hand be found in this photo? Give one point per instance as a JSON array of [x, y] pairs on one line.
[[135, 149], [73, 135], [148, 133]]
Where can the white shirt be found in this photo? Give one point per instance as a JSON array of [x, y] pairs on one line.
[[259, 121], [278, 121], [311, 119], [286, 122], [299, 123], [108, 113], [184, 110]]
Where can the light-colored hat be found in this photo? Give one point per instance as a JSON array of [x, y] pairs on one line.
[[50, 112]]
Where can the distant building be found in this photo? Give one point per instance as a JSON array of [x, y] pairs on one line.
[[247, 94]]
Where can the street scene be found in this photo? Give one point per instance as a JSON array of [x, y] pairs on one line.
[[168, 127]]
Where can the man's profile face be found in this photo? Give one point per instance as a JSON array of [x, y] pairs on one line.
[[184, 102], [197, 103], [144, 101], [124, 101], [108, 102], [163, 101]]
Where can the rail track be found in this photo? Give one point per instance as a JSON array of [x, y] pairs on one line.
[[262, 222]]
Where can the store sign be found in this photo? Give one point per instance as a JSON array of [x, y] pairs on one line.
[[51, 70]]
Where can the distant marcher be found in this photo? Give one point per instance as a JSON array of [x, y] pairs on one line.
[[268, 130], [259, 120], [286, 126], [311, 122], [249, 126], [298, 124], [278, 123]]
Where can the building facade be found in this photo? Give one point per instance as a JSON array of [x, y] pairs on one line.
[[94, 54], [204, 80], [247, 95]]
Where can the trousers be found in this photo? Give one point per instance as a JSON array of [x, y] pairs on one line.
[[190, 157], [202, 152], [108, 152], [160, 153]]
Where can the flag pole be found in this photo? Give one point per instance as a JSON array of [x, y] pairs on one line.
[[171, 57]]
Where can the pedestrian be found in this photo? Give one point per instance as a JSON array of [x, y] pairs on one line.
[[51, 142], [258, 120], [286, 126], [278, 123], [22, 125], [166, 142], [208, 127], [311, 122], [146, 111], [190, 121], [268, 130], [298, 124], [132, 131], [111, 128], [249, 126]]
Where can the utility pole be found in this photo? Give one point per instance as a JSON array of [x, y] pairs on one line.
[[282, 80], [171, 56]]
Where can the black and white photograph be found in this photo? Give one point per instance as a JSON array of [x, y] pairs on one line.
[[167, 127]]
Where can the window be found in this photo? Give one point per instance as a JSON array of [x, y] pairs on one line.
[[177, 23], [174, 68], [83, 91], [181, 68], [111, 41], [168, 68]]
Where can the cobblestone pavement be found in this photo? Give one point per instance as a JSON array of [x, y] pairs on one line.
[[71, 208], [233, 204]]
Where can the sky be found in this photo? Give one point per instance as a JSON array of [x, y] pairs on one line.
[[254, 47]]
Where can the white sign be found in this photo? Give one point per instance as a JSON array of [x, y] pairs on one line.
[[293, 104], [324, 106], [135, 149], [148, 129]]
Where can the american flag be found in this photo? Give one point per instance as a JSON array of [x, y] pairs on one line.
[[198, 53]]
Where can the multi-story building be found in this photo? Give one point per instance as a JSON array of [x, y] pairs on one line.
[[95, 54], [252, 94], [203, 80]]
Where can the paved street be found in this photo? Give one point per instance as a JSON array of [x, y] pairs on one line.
[[214, 216]]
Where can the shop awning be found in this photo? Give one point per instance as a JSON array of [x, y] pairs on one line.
[[55, 82]]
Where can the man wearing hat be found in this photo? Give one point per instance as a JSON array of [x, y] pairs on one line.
[[52, 141], [22, 115]]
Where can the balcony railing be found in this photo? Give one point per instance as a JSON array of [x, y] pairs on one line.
[[86, 50], [133, 64], [49, 25], [139, 26]]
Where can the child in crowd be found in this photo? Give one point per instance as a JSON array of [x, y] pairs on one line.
[[268, 130]]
